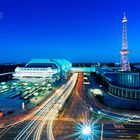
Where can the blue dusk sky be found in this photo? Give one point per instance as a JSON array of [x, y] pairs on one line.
[[78, 30]]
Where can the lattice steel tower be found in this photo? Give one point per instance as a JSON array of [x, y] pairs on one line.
[[124, 52]]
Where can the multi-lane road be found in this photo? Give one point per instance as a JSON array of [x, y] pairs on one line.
[[31, 127], [59, 117], [78, 106], [65, 127], [75, 114]]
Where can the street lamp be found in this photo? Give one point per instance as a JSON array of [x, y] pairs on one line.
[[86, 130], [99, 112]]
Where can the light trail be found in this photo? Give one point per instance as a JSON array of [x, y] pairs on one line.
[[49, 109], [54, 112], [52, 97], [7, 73]]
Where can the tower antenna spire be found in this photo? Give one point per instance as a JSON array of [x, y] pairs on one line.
[[124, 14], [124, 52]]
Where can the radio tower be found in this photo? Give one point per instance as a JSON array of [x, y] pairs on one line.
[[124, 52]]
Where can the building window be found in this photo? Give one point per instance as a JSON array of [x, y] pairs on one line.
[[124, 93], [133, 95], [129, 95]]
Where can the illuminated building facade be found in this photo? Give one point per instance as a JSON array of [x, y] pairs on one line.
[[43, 69], [127, 86]]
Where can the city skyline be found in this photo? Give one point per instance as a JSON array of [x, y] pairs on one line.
[[79, 31], [69, 69]]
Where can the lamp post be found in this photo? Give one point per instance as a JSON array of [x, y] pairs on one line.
[[86, 132], [23, 105]]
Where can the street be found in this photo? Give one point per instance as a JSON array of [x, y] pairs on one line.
[[31, 129]]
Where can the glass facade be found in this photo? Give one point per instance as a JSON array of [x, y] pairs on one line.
[[130, 79]]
